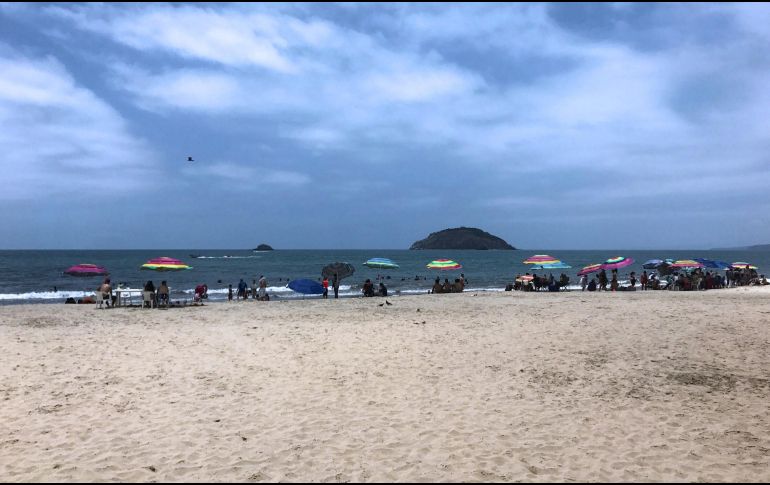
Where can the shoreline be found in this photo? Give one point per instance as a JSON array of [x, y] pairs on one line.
[[282, 295]]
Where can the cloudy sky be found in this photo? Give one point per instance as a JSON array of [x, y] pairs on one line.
[[369, 126]]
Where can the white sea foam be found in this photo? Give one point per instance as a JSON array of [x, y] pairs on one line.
[[45, 295]]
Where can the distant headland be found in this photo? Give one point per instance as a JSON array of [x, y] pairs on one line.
[[461, 238], [263, 247], [756, 247]]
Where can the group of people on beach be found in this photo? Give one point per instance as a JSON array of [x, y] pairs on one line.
[[534, 282], [159, 296], [258, 290], [457, 287], [683, 281]]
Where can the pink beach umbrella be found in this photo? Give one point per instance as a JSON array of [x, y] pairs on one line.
[[591, 268], [617, 262], [541, 259], [85, 269]]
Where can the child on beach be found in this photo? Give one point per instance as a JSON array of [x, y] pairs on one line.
[[326, 287]]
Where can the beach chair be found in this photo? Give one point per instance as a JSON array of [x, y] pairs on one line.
[[148, 297], [99, 300]]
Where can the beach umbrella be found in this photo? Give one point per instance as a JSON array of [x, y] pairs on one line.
[[164, 263], [541, 259], [443, 264], [741, 264], [85, 270], [591, 268], [652, 263], [708, 263], [343, 270], [306, 287], [557, 265], [686, 263], [617, 262], [381, 263]]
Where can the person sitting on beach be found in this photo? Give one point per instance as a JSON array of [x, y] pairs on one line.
[[592, 284], [106, 290], [457, 286], [201, 292], [447, 287], [383, 290], [163, 293], [368, 289], [437, 288], [563, 281], [149, 286]]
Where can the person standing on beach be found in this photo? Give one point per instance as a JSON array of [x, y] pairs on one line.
[[326, 287], [229, 292], [262, 287], [603, 280], [614, 282], [583, 282], [336, 285], [241, 290], [253, 289], [643, 280]]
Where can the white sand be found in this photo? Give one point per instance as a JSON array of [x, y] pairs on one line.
[[653, 386]]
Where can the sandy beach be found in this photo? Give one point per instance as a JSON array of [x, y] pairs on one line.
[[645, 386]]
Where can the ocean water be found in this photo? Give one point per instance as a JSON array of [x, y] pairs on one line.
[[32, 276]]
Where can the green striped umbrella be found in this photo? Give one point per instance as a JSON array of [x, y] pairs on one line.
[[444, 264]]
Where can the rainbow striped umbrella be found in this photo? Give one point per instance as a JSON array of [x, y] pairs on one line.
[[741, 264], [443, 264], [686, 263], [617, 262], [85, 269], [164, 263], [381, 263], [541, 259], [591, 268]]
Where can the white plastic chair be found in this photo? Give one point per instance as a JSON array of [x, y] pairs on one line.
[[99, 300], [148, 297]]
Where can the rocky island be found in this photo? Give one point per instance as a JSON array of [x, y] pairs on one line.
[[263, 247], [461, 238]]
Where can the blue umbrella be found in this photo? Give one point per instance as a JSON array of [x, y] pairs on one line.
[[558, 265], [306, 287], [708, 263], [652, 264], [382, 263]]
